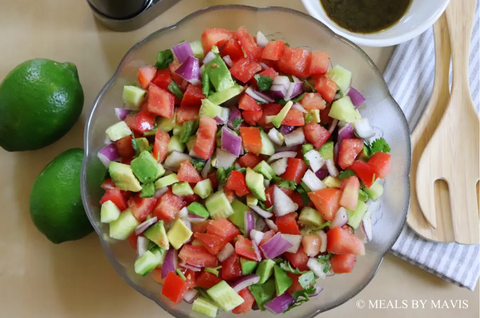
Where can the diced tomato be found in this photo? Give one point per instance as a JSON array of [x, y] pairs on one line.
[[251, 139], [325, 119], [267, 236], [173, 66], [157, 275], [320, 63], [270, 72], [294, 118], [311, 245], [349, 150], [316, 134], [108, 184], [273, 50], [206, 135], [247, 304], [162, 78], [313, 101], [200, 227], [213, 179], [252, 117], [215, 36], [193, 96], [212, 243], [299, 259], [244, 247], [381, 163], [124, 147], [146, 74], [269, 110], [223, 228], [365, 172], [168, 206], [269, 194], [231, 269], [326, 87], [244, 69], [230, 194], [187, 172], [141, 207], [342, 241], [248, 103], [327, 201], [116, 196], [295, 61], [207, 280], [141, 121], [187, 113], [295, 170], [174, 288], [297, 198], [233, 49], [349, 197], [160, 101], [250, 47], [197, 256], [160, 146], [191, 277], [126, 161], [249, 160], [236, 182], [132, 239], [343, 263], [296, 287], [287, 224]]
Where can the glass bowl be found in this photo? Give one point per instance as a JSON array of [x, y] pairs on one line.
[[300, 30]]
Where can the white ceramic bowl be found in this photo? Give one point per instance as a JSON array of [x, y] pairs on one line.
[[421, 15]]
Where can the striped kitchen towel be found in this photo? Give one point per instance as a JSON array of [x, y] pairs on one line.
[[409, 76]]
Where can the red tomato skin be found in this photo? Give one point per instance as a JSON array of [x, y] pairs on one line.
[[206, 134], [320, 63], [251, 139], [200, 227], [146, 74], [197, 256], [160, 145], [223, 228], [187, 172], [233, 49], [295, 170], [250, 47], [343, 263], [244, 247], [124, 147], [231, 269], [269, 110], [295, 61], [193, 96], [349, 150], [349, 197], [342, 241], [249, 160], [252, 117], [298, 260], [245, 69], [132, 239], [207, 280], [295, 284], [116, 196], [273, 50], [162, 78], [316, 134], [187, 113], [294, 118], [174, 288], [141, 207], [247, 303], [248, 103], [326, 87], [215, 36], [287, 224], [236, 182], [168, 206], [381, 163], [140, 122], [212, 243], [365, 172], [324, 118], [268, 235], [313, 101], [326, 201], [160, 101]]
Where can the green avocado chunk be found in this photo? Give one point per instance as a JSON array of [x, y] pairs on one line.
[[146, 168], [219, 74], [123, 177], [157, 234], [263, 293], [282, 281], [248, 266], [265, 270], [198, 209]]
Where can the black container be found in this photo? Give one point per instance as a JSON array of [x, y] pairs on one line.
[[118, 9]]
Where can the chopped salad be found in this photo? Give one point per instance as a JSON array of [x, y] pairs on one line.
[[240, 170]]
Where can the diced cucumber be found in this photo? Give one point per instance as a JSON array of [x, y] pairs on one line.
[[157, 234], [166, 124], [123, 177], [255, 184], [277, 120], [121, 228], [355, 217], [238, 216], [210, 109], [375, 191], [146, 263], [267, 146], [182, 188], [326, 150], [343, 109], [118, 131], [109, 212], [177, 129], [341, 76], [363, 196], [133, 96], [225, 296], [178, 234], [251, 200], [264, 168], [191, 143], [203, 188], [197, 49], [219, 98], [198, 209], [310, 217], [332, 182], [166, 181], [204, 307], [218, 205], [160, 253], [175, 145]]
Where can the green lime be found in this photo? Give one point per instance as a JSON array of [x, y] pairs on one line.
[[55, 201], [40, 100]]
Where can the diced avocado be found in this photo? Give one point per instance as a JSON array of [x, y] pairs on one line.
[[178, 234], [267, 146], [203, 188], [238, 215], [332, 182], [122, 176], [146, 168], [133, 96], [225, 296], [306, 148], [313, 115], [177, 129], [264, 168], [197, 49], [151, 132], [218, 205], [326, 150], [282, 281], [142, 143], [148, 190], [343, 109], [251, 200], [263, 293], [341, 76], [121, 228], [166, 124], [219, 74], [255, 184], [157, 234], [175, 145], [146, 263], [210, 109], [265, 270], [310, 217], [363, 196], [355, 217], [248, 266], [221, 97], [198, 209], [118, 131], [374, 192], [182, 188], [204, 307], [215, 49], [109, 212], [166, 181], [191, 143], [277, 120], [364, 154]]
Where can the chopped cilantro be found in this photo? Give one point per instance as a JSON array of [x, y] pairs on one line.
[[242, 170], [346, 174], [149, 148], [378, 145], [323, 259], [181, 274], [286, 266], [301, 297], [263, 82], [286, 43], [175, 90], [213, 270], [198, 164], [303, 193], [307, 279], [308, 118], [288, 184], [236, 123], [299, 97], [321, 227], [282, 102], [262, 205], [310, 85], [205, 84], [135, 146], [164, 58], [223, 174]]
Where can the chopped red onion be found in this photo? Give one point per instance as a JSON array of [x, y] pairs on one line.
[[234, 113], [122, 113], [225, 252], [228, 60], [282, 204], [206, 168], [170, 263], [285, 130], [356, 97], [260, 225], [332, 169], [209, 57], [256, 236], [245, 281], [183, 213], [224, 159], [264, 66], [282, 154], [299, 107], [294, 90], [257, 251], [261, 97], [280, 166], [275, 246], [316, 268], [231, 142], [145, 225], [264, 214], [142, 245], [323, 238], [193, 218], [341, 218], [322, 173], [262, 40], [190, 267], [279, 91], [282, 79], [333, 125], [190, 295], [160, 192], [276, 137], [182, 51], [295, 240], [190, 70], [346, 132], [280, 304], [312, 181], [316, 161], [271, 225], [363, 128], [248, 222], [295, 138], [318, 290], [107, 154]]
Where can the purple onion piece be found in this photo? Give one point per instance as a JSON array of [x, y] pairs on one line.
[[282, 154], [264, 214], [190, 70], [231, 142], [122, 113], [356, 97], [245, 281], [145, 225], [285, 130], [341, 218], [346, 132], [322, 173], [234, 113], [228, 60], [160, 192], [260, 225], [107, 154], [190, 295], [193, 218], [280, 303], [182, 51], [249, 222], [191, 267], [275, 246], [170, 263]]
